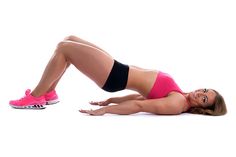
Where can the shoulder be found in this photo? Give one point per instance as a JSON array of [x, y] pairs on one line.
[[178, 100]]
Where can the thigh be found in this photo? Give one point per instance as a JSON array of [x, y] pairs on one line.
[[91, 61], [79, 40]]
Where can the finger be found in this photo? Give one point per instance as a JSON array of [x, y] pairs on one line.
[[83, 111], [93, 103], [87, 112], [100, 103], [103, 104]]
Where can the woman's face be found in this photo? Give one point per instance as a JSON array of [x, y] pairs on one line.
[[202, 97]]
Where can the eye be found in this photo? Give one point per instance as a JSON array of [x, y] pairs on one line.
[[204, 99]]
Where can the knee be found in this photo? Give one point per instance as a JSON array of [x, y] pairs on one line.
[[63, 45], [71, 38], [63, 48]]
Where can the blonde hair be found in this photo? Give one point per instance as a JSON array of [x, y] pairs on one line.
[[216, 109]]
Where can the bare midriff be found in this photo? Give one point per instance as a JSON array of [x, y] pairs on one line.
[[141, 80]]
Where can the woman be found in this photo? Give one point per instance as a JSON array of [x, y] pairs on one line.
[[158, 92]]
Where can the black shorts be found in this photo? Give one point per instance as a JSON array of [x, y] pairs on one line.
[[118, 77]]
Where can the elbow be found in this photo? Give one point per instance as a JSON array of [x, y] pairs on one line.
[[144, 107]]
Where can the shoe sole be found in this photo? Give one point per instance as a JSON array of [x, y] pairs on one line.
[[51, 102], [34, 107]]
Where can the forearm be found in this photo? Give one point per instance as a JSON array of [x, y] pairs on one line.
[[126, 98], [123, 108]]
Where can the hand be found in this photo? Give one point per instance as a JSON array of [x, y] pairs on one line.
[[98, 112], [100, 103]]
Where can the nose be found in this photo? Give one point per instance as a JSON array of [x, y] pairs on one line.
[[199, 94]]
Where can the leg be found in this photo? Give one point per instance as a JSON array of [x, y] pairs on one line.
[[56, 82], [55, 68], [79, 40], [91, 61]]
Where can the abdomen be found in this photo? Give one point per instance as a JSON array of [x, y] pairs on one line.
[[141, 80]]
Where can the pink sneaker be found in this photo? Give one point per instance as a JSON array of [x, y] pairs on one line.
[[29, 102], [51, 98]]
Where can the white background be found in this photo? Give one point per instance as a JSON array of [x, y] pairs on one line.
[[194, 41]]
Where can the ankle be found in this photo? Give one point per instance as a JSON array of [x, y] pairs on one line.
[[36, 94], [52, 91]]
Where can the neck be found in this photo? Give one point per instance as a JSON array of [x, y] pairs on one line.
[[186, 95]]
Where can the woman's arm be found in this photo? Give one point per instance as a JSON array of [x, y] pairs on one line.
[[126, 98], [168, 105], [123, 108], [118, 99]]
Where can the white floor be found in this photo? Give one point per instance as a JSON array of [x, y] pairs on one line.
[[61, 130], [193, 41]]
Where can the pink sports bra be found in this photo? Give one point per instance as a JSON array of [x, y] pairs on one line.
[[163, 85]]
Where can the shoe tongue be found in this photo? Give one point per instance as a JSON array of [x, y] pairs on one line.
[[27, 92]]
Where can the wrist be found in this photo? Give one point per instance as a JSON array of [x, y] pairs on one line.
[[110, 100], [105, 109]]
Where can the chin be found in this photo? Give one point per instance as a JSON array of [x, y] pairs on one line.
[[192, 102], [190, 97]]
